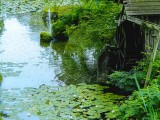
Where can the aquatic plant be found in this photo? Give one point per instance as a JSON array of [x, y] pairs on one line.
[[22, 6], [69, 102]]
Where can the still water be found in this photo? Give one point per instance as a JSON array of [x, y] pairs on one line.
[[33, 71], [23, 61]]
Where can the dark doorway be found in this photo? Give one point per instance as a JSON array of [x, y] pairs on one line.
[[124, 54]]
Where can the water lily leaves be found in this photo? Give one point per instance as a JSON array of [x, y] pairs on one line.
[[77, 102], [11, 69], [22, 6]]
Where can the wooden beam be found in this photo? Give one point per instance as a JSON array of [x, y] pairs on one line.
[[149, 72], [149, 12], [131, 1], [142, 7], [142, 22], [141, 4], [146, 8]]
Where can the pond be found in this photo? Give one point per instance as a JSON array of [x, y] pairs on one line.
[[37, 77], [24, 63], [28, 66]]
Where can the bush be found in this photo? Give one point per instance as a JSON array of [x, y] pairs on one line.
[[142, 105], [45, 37], [59, 27], [59, 30], [126, 80]]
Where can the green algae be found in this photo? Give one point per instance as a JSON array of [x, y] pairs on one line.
[[69, 102]]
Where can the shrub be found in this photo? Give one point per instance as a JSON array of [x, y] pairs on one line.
[[45, 37], [59, 27], [126, 80], [142, 105]]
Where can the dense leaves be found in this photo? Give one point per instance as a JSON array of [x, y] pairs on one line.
[[143, 104], [88, 27], [126, 80]]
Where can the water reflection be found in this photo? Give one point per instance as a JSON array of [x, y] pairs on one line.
[[23, 62], [77, 65]]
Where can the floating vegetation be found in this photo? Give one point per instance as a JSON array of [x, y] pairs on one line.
[[74, 102], [21, 6], [9, 69]]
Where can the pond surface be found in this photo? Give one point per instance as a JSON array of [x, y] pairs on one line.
[[32, 73], [37, 77], [23, 61]]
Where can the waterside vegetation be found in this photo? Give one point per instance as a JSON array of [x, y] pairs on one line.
[[81, 30], [91, 26]]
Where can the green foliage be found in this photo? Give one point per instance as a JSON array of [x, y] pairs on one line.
[[144, 64], [88, 29], [143, 104], [126, 80], [59, 30], [45, 37], [96, 21]]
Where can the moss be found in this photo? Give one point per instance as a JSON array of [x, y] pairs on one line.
[[45, 37], [1, 78]]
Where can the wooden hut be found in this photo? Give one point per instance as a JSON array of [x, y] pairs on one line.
[[138, 30], [144, 12]]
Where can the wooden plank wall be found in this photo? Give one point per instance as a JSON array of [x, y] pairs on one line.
[[142, 7], [151, 34]]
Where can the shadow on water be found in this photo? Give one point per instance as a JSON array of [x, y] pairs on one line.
[[77, 66]]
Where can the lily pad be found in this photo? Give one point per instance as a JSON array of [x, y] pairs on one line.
[[70, 102]]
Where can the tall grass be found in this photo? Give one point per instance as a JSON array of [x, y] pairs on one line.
[[149, 109]]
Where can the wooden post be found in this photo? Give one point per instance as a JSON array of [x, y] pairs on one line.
[[152, 59]]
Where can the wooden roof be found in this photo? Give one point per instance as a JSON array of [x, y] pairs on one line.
[[142, 7]]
